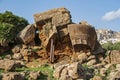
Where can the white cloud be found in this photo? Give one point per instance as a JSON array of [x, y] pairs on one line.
[[112, 15]]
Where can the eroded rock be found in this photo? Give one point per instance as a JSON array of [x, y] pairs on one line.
[[53, 24], [81, 35], [70, 71], [34, 75], [9, 65], [13, 76], [113, 57], [27, 34], [114, 75]]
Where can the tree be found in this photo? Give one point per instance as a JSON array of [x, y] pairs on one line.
[[10, 26]]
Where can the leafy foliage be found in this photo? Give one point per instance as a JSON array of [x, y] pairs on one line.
[[111, 46], [6, 32], [10, 26]]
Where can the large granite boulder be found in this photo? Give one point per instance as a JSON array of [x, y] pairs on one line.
[[27, 35]]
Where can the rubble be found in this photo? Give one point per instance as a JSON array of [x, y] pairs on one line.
[[72, 49], [13, 76], [72, 71], [82, 34], [34, 75], [113, 57], [27, 34], [9, 65]]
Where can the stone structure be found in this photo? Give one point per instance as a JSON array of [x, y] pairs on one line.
[[82, 34], [52, 24], [27, 35], [113, 57]]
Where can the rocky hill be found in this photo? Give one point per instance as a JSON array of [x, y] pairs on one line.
[[106, 35]]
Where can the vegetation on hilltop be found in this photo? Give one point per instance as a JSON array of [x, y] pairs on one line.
[[111, 46]]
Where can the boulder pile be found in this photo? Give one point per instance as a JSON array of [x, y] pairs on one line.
[[71, 49]]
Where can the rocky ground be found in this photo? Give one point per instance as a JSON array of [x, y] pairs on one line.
[[23, 65]]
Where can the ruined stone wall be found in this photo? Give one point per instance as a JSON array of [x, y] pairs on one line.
[[53, 25]]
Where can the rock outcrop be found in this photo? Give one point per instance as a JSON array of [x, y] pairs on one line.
[[52, 24], [27, 35], [113, 57]]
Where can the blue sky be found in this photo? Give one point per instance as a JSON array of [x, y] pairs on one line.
[[103, 14]]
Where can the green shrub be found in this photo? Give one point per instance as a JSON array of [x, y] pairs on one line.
[[111, 46]]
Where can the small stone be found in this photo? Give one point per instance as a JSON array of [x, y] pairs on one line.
[[13, 76], [8, 56], [58, 71], [34, 75], [75, 70], [98, 66], [16, 49], [91, 62], [82, 57], [107, 66], [91, 57], [103, 71], [64, 74], [88, 54], [17, 56], [97, 78], [118, 67]]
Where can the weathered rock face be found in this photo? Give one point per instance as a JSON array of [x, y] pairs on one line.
[[27, 34], [82, 34], [113, 57], [9, 65], [13, 76], [57, 17], [114, 75], [69, 72], [52, 24]]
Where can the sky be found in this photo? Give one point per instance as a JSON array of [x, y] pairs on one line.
[[102, 14]]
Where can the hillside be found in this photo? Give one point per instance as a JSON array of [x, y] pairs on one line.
[[106, 35]]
